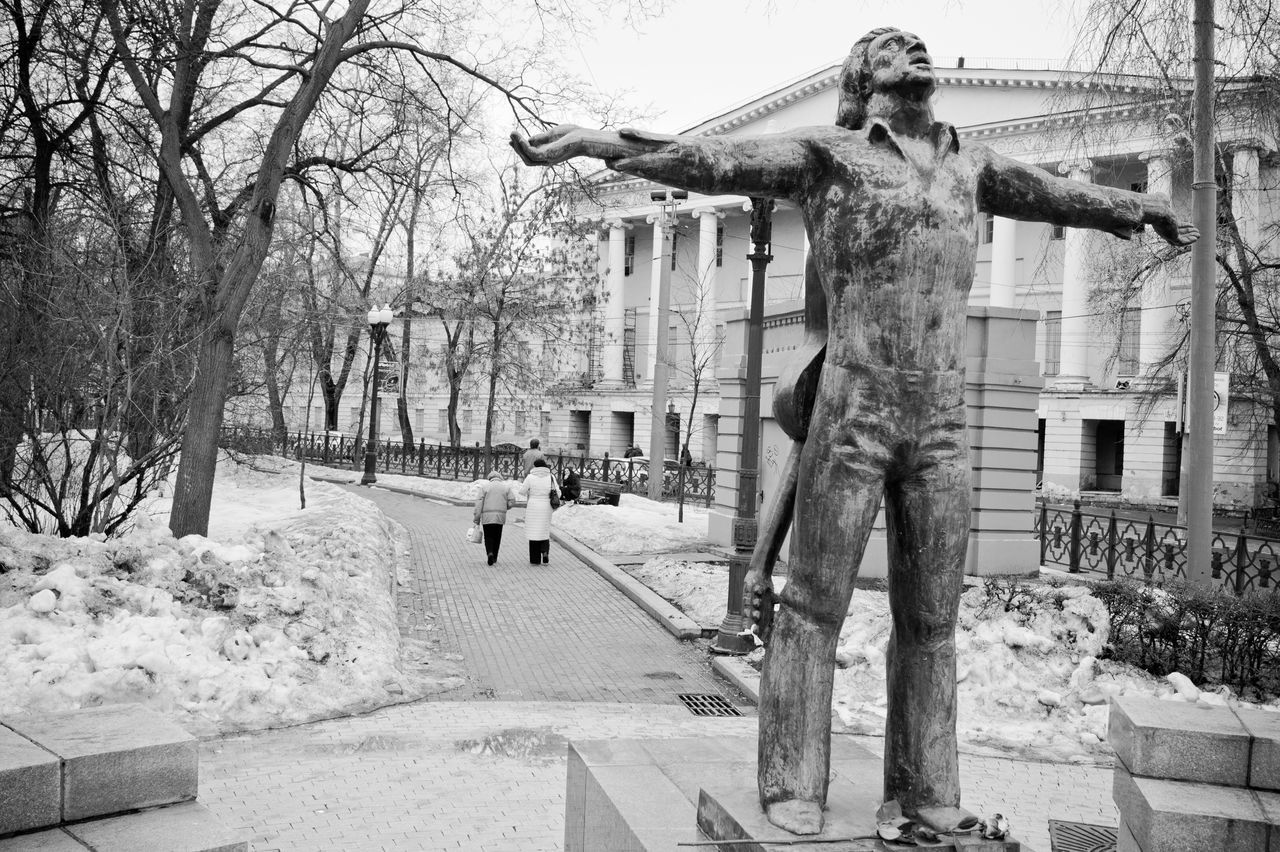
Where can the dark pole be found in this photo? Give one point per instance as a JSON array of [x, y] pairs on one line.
[[378, 321], [729, 638]]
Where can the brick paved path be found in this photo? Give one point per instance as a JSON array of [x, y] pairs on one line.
[[556, 632]]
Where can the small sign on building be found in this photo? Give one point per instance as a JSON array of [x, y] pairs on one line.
[[1221, 395]]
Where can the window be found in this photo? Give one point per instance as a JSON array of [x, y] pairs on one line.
[[673, 345], [1058, 232], [1052, 342], [628, 254], [719, 244], [1130, 331], [521, 416], [420, 420], [986, 229], [443, 425], [1138, 186], [468, 419], [675, 242]]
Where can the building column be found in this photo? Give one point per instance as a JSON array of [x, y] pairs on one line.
[[1075, 296], [655, 288], [1157, 312], [704, 332], [1004, 262], [1244, 193], [615, 306]]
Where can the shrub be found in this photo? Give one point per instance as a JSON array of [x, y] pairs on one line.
[[1213, 637]]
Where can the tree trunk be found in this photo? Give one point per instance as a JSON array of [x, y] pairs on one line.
[[193, 491]]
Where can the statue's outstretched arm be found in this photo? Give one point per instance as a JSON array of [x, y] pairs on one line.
[[771, 166], [1020, 191], [566, 141]]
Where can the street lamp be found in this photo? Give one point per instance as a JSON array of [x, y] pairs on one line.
[[730, 638], [379, 319]]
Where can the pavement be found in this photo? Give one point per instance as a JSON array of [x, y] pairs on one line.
[[551, 653]]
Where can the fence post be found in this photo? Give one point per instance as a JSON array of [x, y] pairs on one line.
[[422, 455], [1242, 561], [475, 462], [1073, 547], [405, 450], [1044, 527], [1149, 548], [1111, 547], [711, 478]]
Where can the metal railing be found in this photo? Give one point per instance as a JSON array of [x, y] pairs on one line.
[[1101, 543], [442, 461]]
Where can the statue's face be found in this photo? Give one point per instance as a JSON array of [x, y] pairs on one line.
[[900, 63]]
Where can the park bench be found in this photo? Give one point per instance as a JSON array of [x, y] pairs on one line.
[[594, 492]]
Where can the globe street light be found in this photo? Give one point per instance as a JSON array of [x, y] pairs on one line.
[[379, 318]]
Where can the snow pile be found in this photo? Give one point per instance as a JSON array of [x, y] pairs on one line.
[[280, 616], [698, 589], [1030, 681], [636, 525]]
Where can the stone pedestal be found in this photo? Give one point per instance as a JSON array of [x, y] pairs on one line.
[[649, 795], [1195, 779]]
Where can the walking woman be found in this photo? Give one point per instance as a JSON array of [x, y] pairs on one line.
[[538, 487], [495, 498]]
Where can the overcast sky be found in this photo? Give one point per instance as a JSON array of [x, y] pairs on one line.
[[703, 56]]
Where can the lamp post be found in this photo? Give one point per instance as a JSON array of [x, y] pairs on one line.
[[379, 319], [729, 637]]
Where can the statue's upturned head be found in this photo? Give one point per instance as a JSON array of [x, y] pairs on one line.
[[888, 59]]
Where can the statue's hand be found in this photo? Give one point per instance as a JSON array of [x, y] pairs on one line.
[[560, 143], [1176, 233], [1158, 212], [758, 600]]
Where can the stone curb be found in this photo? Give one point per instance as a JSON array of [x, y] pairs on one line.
[[673, 620], [737, 671]]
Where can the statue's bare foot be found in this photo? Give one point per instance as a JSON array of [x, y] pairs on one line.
[[797, 816], [944, 819]]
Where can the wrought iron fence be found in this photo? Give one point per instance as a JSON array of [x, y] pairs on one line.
[[1099, 542], [442, 461]]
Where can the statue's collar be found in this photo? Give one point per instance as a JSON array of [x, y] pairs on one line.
[[942, 134]]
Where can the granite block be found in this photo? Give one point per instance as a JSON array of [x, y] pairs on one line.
[[53, 840], [1184, 816], [116, 758], [575, 800], [1124, 839], [1264, 762], [1179, 741], [30, 784], [186, 827]]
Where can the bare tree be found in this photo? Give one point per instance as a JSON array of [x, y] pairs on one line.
[[197, 68]]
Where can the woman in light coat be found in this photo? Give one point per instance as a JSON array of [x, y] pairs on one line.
[[495, 498], [538, 486]]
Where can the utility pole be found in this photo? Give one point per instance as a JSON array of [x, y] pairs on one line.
[[1203, 319], [662, 256], [729, 637]]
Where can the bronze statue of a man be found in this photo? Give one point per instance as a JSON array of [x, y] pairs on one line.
[[889, 198]]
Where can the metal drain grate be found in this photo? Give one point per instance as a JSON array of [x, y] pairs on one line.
[[1080, 837], [707, 705]]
